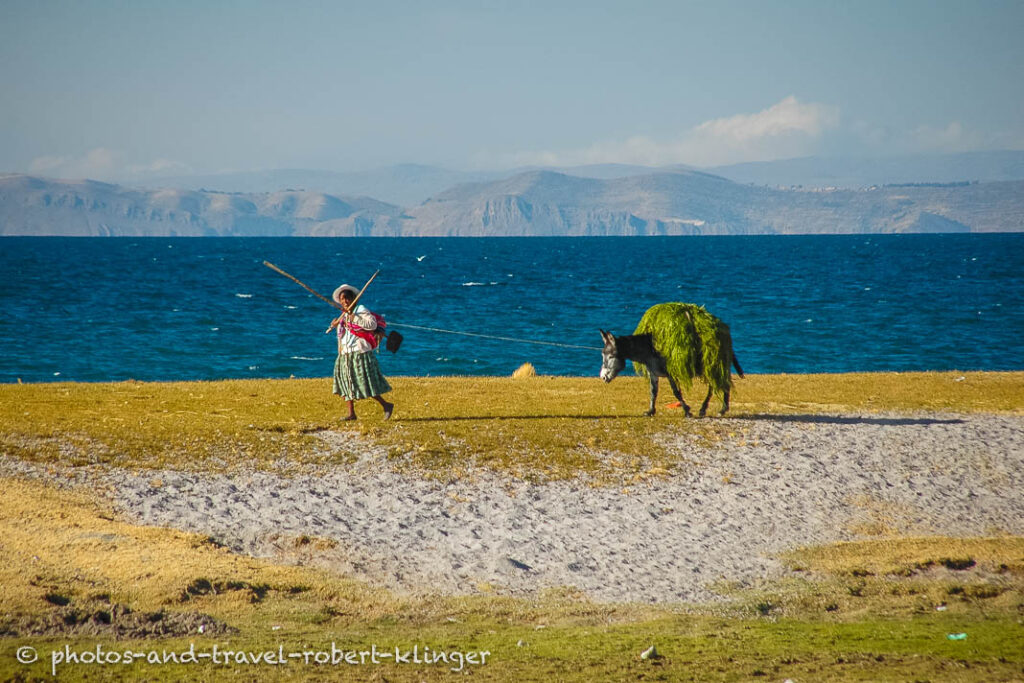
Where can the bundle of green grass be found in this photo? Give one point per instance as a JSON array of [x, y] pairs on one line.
[[693, 343]]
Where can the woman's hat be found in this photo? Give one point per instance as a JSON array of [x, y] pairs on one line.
[[344, 288]]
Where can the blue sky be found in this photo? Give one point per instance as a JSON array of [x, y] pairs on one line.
[[121, 90]]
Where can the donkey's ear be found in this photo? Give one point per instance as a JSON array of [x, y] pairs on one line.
[[607, 337]]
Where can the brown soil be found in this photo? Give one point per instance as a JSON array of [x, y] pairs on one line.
[[116, 621]]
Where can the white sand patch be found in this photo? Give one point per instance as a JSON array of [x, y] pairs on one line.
[[778, 483]]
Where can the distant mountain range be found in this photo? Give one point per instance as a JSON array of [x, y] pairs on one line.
[[41, 206], [412, 184], [593, 200], [403, 184], [856, 173]]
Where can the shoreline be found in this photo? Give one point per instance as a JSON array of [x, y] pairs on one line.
[[626, 374]]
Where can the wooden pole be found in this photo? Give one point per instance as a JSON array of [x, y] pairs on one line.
[[310, 289], [352, 306], [349, 309]]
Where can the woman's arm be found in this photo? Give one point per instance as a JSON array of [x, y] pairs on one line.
[[363, 318]]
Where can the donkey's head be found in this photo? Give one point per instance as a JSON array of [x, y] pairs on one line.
[[611, 362]]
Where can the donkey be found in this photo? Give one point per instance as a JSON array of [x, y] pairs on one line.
[[696, 343]]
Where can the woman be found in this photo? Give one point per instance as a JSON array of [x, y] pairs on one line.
[[356, 371]]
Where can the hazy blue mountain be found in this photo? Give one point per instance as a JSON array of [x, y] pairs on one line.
[[412, 184], [41, 206], [532, 203], [691, 203], [603, 171], [857, 173], [403, 184]]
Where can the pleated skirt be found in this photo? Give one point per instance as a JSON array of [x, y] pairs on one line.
[[358, 375]]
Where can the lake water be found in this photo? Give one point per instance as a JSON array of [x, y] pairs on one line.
[[92, 309]]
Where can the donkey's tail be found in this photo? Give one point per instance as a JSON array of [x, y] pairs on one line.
[[736, 364]]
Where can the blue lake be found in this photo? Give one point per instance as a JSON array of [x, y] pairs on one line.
[[94, 309]]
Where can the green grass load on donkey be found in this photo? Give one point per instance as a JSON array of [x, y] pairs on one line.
[[678, 341]]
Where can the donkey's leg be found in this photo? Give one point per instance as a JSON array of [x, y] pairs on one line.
[[679, 395], [725, 402], [654, 391], [704, 406]]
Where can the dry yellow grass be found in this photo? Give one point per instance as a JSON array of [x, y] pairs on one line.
[[900, 578], [992, 392], [525, 370], [63, 548], [542, 427], [61, 543], [902, 556]]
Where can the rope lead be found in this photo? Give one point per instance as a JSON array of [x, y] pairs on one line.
[[491, 336]]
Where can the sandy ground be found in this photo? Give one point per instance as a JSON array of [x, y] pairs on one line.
[[779, 483]]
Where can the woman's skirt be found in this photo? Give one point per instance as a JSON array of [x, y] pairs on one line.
[[358, 375]]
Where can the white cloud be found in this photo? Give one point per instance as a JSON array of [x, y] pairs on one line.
[[103, 164], [788, 128], [782, 119]]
